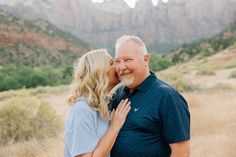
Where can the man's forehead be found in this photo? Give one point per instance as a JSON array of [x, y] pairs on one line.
[[124, 57], [122, 53]]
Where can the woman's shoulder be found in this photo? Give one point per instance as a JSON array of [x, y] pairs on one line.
[[81, 108]]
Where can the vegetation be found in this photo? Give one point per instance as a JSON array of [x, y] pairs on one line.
[[157, 62], [205, 47], [35, 53], [205, 71], [177, 82], [22, 119], [233, 74], [13, 77]]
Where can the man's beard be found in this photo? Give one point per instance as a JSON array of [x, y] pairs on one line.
[[126, 81]]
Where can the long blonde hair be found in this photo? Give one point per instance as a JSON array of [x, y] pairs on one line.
[[90, 79]]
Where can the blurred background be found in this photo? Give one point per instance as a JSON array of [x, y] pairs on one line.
[[192, 45]]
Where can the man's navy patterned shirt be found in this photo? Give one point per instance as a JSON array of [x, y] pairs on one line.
[[158, 117]]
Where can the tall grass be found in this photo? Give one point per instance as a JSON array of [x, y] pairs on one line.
[[25, 118], [177, 82]]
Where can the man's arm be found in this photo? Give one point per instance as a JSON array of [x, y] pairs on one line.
[[180, 149]]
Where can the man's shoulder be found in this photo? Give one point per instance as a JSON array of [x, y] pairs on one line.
[[161, 86], [165, 90]]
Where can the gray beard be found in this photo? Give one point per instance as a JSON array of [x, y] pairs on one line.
[[127, 82]]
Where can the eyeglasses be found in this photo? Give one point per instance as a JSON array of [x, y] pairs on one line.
[[125, 61]]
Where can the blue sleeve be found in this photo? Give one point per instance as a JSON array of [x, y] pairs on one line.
[[175, 118], [80, 133]]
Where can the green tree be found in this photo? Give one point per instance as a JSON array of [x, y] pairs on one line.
[[158, 62]]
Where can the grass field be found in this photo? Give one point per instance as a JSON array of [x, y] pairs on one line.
[[212, 104]]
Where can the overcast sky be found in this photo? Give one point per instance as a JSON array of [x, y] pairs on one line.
[[131, 3]]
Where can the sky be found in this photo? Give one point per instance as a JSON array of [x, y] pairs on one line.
[[131, 3]]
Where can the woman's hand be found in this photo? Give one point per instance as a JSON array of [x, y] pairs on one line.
[[119, 115]]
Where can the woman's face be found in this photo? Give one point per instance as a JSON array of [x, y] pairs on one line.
[[112, 75]]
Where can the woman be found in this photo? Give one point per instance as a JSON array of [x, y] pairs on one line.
[[87, 130]]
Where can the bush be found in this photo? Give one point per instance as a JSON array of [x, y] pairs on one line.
[[205, 72], [221, 86], [233, 74], [178, 82], [205, 53], [28, 77], [158, 62], [22, 119]]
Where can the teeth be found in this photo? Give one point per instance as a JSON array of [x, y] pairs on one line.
[[124, 73]]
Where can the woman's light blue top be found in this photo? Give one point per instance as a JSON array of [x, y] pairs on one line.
[[83, 129]]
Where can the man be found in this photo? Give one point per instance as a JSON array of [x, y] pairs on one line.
[[158, 124]]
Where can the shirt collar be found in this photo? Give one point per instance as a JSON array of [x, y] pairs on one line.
[[144, 85]]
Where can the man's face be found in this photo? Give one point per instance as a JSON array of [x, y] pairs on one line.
[[131, 65]]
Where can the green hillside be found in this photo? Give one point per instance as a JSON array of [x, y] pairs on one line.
[[35, 43], [205, 47], [35, 53]]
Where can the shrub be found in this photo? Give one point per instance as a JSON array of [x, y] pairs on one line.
[[22, 119], [205, 72], [178, 82], [233, 74], [29, 77], [158, 62], [221, 86], [205, 53]]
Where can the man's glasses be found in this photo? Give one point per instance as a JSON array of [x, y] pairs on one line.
[[125, 61]]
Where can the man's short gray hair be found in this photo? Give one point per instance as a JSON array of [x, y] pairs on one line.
[[126, 38]]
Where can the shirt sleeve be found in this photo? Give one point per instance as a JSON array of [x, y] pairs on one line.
[[80, 135], [175, 118]]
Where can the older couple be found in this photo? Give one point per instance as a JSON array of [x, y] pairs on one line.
[[148, 118]]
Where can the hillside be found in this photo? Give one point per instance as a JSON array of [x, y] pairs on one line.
[[35, 53], [163, 28], [36, 43], [211, 103], [204, 48], [209, 86], [212, 72]]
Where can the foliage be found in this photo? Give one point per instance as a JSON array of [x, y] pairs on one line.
[[233, 74], [177, 82], [205, 71], [158, 62], [25, 118], [205, 47], [221, 86], [205, 53], [30, 77]]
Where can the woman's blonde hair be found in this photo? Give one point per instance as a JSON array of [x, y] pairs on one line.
[[90, 79]]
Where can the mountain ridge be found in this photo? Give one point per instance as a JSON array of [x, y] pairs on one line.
[[163, 28], [21, 41]]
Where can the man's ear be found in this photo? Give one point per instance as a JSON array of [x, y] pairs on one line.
[[146, 58]]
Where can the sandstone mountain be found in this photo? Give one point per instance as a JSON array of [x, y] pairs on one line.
[[36, 43], [163, 28]]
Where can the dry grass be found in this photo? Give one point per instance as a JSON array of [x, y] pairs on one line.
[[213, 110], [47, 148], [213, 123]]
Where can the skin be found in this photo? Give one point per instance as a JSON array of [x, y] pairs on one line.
[[118, 117], [133, 65], [112, 75]]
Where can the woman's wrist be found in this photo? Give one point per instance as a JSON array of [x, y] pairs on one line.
[[114, 129]]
